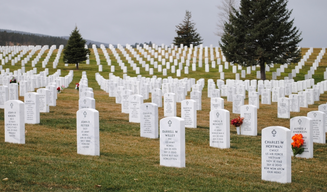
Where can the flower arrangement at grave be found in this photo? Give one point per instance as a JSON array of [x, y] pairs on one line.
[[297, 144], [77, 86], [237, 122], [13, 80], [62, 87], [58, 89]]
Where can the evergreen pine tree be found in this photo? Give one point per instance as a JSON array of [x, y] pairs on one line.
[[261, 33], [75, 50], [186, 32]]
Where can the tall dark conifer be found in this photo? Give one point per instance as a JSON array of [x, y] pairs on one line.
[[186, 32], [261, 33], [75, 50]]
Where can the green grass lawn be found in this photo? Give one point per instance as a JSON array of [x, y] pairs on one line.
[[49, 160]]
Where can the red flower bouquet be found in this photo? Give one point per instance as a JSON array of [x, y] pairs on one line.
[[237, 121]]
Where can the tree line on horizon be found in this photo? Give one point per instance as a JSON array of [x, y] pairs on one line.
[[12, 38]]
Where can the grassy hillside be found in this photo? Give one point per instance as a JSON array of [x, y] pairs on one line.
[[49, 161]]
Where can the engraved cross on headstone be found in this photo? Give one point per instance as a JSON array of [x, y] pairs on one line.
[[170, 123]]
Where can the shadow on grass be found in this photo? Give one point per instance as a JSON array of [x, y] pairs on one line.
[[60, 123], [202, 127]]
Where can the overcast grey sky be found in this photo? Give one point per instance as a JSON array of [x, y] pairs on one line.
[[131, 21]]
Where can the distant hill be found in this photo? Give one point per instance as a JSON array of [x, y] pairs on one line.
[[23, 32], [90, 42], [10, 37]]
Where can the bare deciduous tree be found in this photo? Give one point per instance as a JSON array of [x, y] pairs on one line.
[[224, 9]]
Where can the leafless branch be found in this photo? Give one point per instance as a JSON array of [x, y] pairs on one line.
[[224, 9]]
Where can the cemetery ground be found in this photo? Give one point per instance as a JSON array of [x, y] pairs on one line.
[[127, 162]]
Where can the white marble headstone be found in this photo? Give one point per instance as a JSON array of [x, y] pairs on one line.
[[310, 96], [189, 113], [254, 99], [238, 101], [119, 92], [125, 100], [13, 91], [216, 103], [303, 125], [230, 93], [14, 121], [156, 97], [172, 142], [134, 105], [266, 96], [52, 95], [112, 88], [149, 120], [22, 88], [219, 128], [215, 93], [169, 105], [32, 109], [197, 96], [86, 102], [294, 103], [180, 94], [3, 96], [249, 126], [323, 108], [318, 126], [283, 108], [44, 95], [88, 137], [276, 154], [88, 94], [303, 101], [275, 94]]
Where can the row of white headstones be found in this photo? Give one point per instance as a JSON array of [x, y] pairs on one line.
[[276, 150], [18, 113], [16, 54], [172, 55], [87, 118], [175, 52], [276, 140], [170, 122], [29, 81], [169, 156], [155, 53], [300, 93], [124, 97]]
